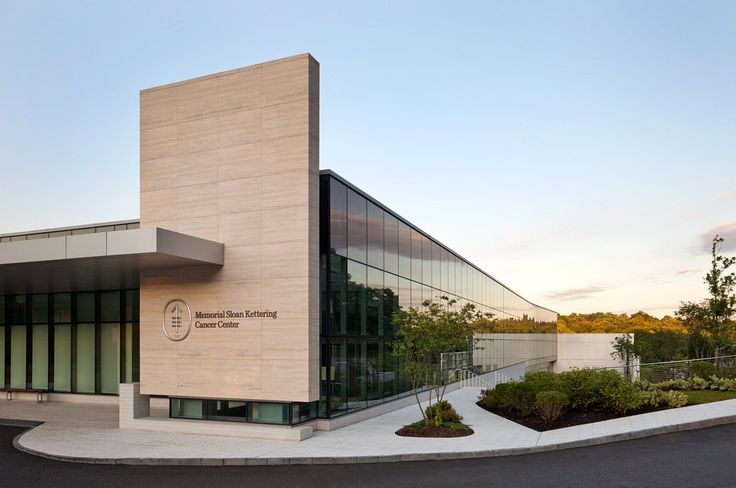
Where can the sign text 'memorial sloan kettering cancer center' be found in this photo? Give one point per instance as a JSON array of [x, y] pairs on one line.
[[178, 319], [230, 314]]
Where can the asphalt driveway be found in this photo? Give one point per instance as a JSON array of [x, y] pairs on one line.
[[699, 458]]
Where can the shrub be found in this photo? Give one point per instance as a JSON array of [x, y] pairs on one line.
[[516, 395], [702, 369], [522, 396], [589, 388], [442, 412], [659, 398], [722, 384], [695, 383], [544, 380], [726, 372], [623, 398], [498, 398], [674, 385], [549, 405]]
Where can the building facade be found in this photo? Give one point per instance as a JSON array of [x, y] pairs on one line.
[[254, 286]]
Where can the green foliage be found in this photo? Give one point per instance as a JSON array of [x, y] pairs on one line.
[[703, 369], [424, 334], [547, 394], [544, 380], [590, 388], [498, 398], [639, 322], [710, 323], [655, 339], [518, 396], [696, 383], [660, 346], [442, 412], [726, 372], [549, 404], [623, 398], [662, 399], [623, 351], [425, 423]]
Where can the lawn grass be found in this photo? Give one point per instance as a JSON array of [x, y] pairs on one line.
[[696, 397]]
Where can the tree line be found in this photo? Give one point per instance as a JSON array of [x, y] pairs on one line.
[[698, 329]]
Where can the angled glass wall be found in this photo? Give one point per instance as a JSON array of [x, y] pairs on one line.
[[77, 342], [374, 263]]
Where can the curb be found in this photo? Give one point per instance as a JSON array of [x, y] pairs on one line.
[[395, 458]]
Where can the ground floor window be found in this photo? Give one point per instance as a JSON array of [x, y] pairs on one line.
[[277, 413], [75, 342]]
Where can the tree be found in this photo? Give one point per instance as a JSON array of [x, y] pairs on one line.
[[424, 334], [710, 323], [624, 351]]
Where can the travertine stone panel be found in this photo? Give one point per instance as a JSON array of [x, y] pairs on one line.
[[233, 157]]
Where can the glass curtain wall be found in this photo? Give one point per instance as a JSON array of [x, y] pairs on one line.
[[373, 263], [79, 342]]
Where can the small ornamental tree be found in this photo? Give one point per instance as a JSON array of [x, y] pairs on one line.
[[710, 323], [625, 352], [423, 335]]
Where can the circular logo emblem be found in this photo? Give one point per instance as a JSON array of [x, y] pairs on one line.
[[177, 320]]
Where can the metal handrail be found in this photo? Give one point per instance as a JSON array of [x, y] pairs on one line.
[[685, 361]]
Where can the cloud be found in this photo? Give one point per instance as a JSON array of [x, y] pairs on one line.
[[686, 271], [578, 293], [726, 230]]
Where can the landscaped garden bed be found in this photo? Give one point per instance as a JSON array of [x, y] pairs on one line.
[[545, 401], [440, 420], [429, 429]]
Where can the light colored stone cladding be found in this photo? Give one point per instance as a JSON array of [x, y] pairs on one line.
[[233, 157]]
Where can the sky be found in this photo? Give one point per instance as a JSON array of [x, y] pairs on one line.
[[583, 153]]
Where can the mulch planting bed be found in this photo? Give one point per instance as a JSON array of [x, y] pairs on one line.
[[567, 419], [433, 432]]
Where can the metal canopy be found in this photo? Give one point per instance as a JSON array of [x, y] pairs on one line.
[[102, 260]]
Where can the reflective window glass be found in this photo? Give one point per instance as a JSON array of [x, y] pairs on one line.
[[17, 356], [436, 253], [110, 306], [375, 235], [426, 261], [85, 307], [40, 309], [374, 308], [416, 256], [357, 380], [391, 243], [40, 347], [338, 218], [357, 244], [404, 250], [85, 358], [16, 309], [63, 357], [62, 308], [356, 298], [338, 293]]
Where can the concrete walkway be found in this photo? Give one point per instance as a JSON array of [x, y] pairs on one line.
[[89, 433]]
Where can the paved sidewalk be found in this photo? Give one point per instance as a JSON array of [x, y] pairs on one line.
[[89, 433]]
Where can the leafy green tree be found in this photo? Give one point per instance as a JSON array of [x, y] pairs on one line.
[[710, 323], [424, 334], [625, 352]]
